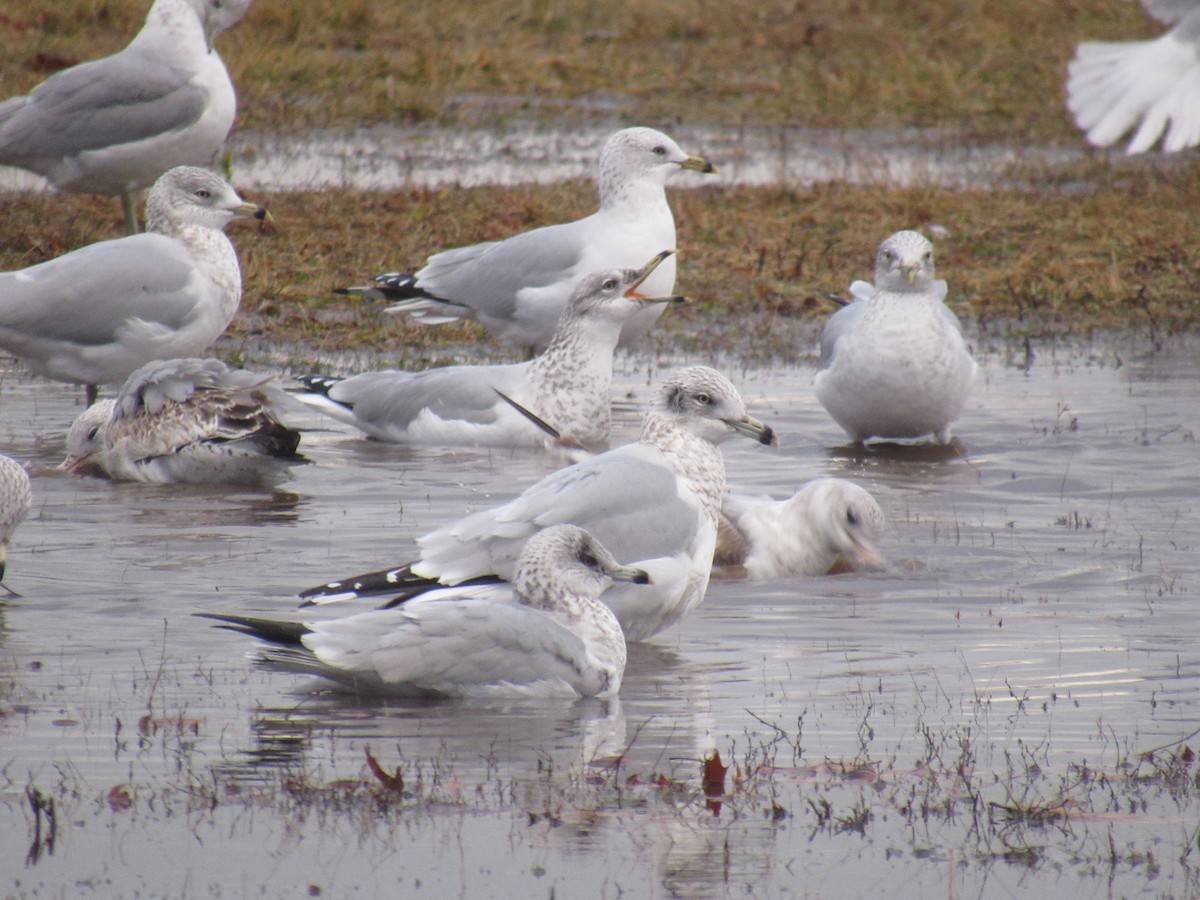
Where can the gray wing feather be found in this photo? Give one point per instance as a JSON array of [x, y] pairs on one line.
[[839, 323]]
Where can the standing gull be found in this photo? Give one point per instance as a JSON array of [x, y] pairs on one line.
[[568, 386], [186, 420], [1153, 86], [828, 525], [96, 314], [519, 287], [655, 501], [546, 634], [893, 362], [16, 496], [114, 125]]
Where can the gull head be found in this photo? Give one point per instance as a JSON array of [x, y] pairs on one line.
[[705, 402], [637, 154], [904, 263], [85, 439], [845, 517], [190, 195], [566, 561], [613, 293], [217, 15]]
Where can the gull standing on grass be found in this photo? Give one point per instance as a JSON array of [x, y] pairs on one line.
[[519, 287], [1153, 86], [568, 386], [114, 125], [655, 501], [893, 361], [546, 634], [829, 525], [193, 421], [96, 314], [16, 496]]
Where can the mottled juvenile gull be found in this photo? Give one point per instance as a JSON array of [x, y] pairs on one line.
[[893, 362], [519, 287], [16, 495], [546, 634], [830, 524], [96, 314], [114, 125], [655, 501], [1153, 86], [569, 386], [187, 420]]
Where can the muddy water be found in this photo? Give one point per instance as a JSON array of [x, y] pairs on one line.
[[1037, 619]]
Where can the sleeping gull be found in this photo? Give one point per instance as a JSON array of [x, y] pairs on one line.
[[1153, 86], [569, 385], [828, 525], [186, 420], [114, 125], [546, 634], [16, 496], [655, 501], [893, 362], [519, 287], [96, 314]]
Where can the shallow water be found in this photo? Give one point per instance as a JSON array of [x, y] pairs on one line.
[[1037, 616]]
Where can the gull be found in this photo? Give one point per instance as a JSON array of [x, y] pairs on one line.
[[655, 501], [1153, 86], [829, 525], [519, 287], [16, 496], [569, 385], [195, 421], [94, 315], [546, 634], [114, 125], [893, 362]]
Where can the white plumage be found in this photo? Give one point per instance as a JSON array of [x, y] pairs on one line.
[[655, 501], [830, 524], [96, 314], [16, 496], [546, 634], [893, 361], [1149, 87], [519, 287], [569, 386]]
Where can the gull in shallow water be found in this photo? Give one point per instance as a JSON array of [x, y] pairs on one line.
[[519, 287], [1153, 86], [828, 525], [114, 125], [893, 362], [16, 496], [655, 501], [96, 314], [568, 386], [546, 634], [195, 421]]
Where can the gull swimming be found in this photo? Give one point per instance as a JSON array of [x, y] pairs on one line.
[[829, 525], [546, 634], [94, 315], [519, 287], [1152, 86], [16, 496], [893, 361], [194, 421], [569, 385], [655, 502], [114, 125]]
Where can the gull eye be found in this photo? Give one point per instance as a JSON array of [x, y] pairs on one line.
[[851, 518], [660, 150], [609, 284], [203, 193], [703, 398], [91, 435]]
